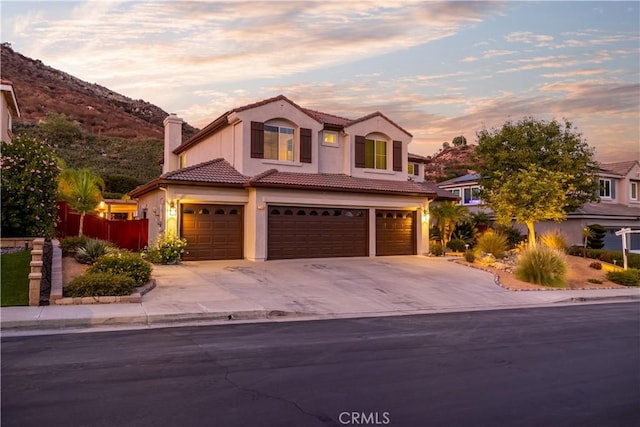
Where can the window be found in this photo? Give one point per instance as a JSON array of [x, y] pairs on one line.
[[414, 169], [605, 188], [278, 143], [375, 154], [183, 161], [471, 196], [633, 190], [330, 138]]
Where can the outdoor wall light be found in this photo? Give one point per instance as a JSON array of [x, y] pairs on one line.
[[172, 209]]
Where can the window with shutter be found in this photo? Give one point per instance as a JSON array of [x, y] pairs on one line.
[[359, 155], [305, 145], [257, 140], [397, 156]]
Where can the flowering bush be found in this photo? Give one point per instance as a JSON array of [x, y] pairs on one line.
[[167, 250], [29, 188]]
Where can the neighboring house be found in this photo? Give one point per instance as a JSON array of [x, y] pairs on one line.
[[8, 109], [118, 209], [273, 180], [618, 205]]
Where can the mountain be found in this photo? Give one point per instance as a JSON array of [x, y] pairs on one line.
[[41, 89], [450, 162]]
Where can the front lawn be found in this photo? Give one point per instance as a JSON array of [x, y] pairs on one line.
[[14, 278]]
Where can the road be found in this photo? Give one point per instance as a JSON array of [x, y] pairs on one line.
[[561, 366]]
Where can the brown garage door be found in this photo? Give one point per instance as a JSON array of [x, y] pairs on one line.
[[395, 232], [212, 231], [303, 232]]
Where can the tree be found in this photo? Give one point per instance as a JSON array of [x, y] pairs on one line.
[[541, 149], [459, 141], [82, 189], [29, 173], [448, 215], [529, 195]]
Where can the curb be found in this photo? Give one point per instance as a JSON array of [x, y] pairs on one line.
[[132, 321]]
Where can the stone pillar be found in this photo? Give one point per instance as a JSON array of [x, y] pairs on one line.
[[35, 276]]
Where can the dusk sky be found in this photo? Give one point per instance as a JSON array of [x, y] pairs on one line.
[[437, 69]]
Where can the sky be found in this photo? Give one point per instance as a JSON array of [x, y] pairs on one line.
[[439, 70]]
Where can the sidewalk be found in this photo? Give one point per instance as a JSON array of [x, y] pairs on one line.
[[241, 291]]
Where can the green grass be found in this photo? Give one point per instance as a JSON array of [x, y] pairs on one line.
[[14, 278]]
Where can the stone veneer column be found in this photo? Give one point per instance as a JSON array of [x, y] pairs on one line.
[[35, 276]]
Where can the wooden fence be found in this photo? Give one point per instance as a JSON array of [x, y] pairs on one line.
[[126, 234]]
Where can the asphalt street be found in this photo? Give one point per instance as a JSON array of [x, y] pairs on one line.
[[577, 366]]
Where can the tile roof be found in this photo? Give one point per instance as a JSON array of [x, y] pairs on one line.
[[441, 193], [338, 182], [618, 168], [325, 118], [217, 171]]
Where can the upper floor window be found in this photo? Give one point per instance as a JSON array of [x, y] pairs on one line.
[[183, 161], [413, 169], [375, 154], [330, 138], [633, 190], [278, 143], [456, 192], [606, 186]]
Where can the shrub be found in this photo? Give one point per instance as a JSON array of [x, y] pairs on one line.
[[126, 263], [554, 239], [596, 236], [92, 250], [596, 265], [456, 245], [72, 243], [167, 249], [436, 249], [542, 265], [492, 243], [630, 277], [469, 256], [514, 238], [466, 232], [100, 284], [633, 260], [595, 281]]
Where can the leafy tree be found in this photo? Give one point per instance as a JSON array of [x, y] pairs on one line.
[[82, 189], [459, 141], [546, 159], [445, 145], [29, 173], [448, 215], [56, 129]]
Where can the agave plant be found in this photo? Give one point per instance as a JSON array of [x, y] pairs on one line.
[[92, 250]]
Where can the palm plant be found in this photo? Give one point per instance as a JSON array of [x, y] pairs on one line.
[[448, 215], [82, 189]]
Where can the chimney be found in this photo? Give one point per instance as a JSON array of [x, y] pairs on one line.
[[172, 139]]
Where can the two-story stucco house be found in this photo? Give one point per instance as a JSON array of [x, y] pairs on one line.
[[8, 110], [274, 180], [618, 204]]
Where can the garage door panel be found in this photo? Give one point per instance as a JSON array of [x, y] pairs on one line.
[[395, 232], [212, 231], [304, 232]]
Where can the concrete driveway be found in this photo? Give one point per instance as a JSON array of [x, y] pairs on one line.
[[337, 287]]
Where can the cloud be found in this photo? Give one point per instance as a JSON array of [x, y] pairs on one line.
[[528, 37]]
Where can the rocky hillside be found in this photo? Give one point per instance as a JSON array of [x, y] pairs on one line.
[[450, 162], [41, 89]]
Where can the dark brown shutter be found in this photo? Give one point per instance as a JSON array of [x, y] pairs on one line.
[[257, 140], [305, 145], [397, 156], [360, 142]]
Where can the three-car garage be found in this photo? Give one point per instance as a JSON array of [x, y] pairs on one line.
[[216, 232]]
